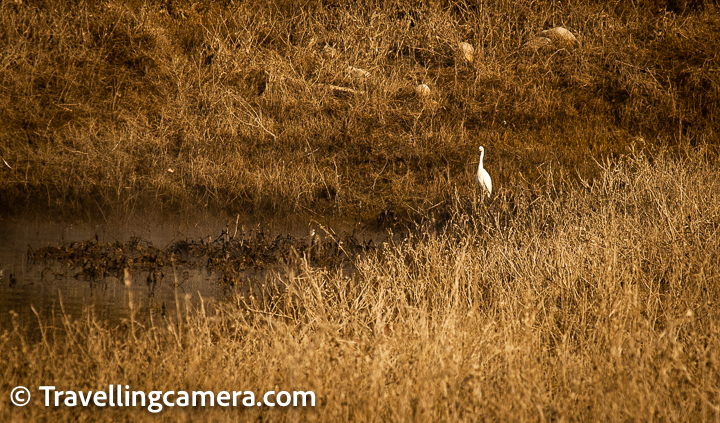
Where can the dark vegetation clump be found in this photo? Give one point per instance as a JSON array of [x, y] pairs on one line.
[[226, 257]]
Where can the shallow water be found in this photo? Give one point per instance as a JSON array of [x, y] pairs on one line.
[[54, 288], [48, 287]]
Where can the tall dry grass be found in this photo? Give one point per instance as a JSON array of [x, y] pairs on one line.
[[111, 108], [572, 302]]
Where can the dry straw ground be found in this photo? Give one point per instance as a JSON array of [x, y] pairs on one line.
[[585, 289]]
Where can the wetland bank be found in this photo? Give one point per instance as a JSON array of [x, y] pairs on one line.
[[584, 288]]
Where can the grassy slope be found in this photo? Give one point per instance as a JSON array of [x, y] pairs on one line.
[[101, 100]]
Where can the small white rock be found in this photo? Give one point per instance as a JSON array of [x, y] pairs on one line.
[[467, 51], [422, 90], [561, 37]]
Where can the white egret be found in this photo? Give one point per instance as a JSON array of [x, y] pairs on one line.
[[483, 178]]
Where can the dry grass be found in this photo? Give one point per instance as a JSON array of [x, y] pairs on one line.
[[579, 292], [572, 302], [113, 108]]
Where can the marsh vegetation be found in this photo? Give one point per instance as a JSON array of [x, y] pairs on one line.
[[585, 288], [596, 302]]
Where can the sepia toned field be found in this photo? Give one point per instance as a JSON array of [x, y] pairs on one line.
[[112, 108], [593, 303], [585, 288]]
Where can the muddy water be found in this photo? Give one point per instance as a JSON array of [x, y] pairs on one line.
[[47, 287], [36, 288]]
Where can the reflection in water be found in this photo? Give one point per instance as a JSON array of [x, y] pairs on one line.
[[64, 269], [53, 292]]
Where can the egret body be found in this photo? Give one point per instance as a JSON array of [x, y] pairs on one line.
[[483, 178]]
